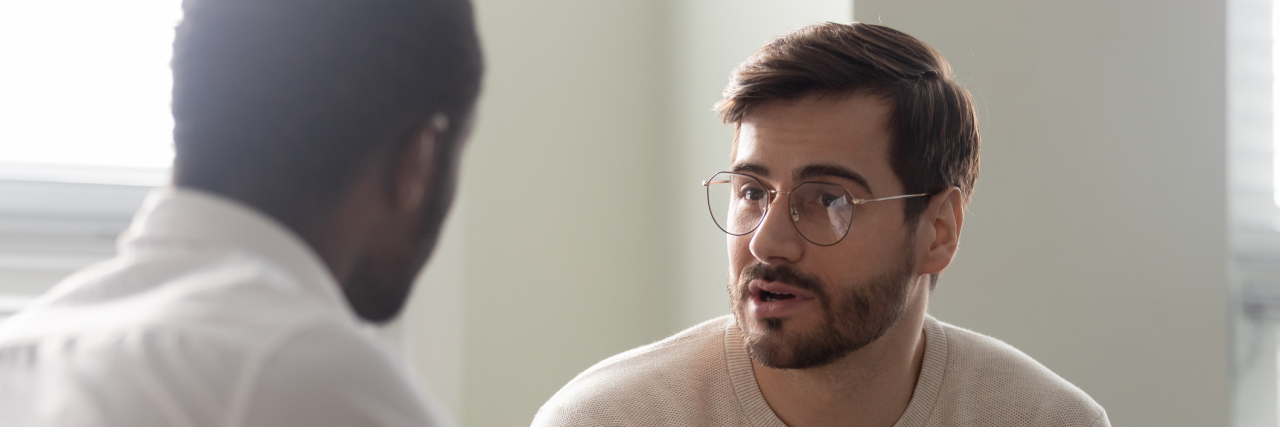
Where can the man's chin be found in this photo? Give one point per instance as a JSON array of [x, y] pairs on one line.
[[790, 343], [778, 325], [773, 347]]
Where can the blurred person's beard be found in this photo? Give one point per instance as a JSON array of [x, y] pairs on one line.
[[378, 288], [859, 313]]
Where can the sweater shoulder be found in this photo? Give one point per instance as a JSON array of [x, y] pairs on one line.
[[700, 342], [681, 379], [991, 381]]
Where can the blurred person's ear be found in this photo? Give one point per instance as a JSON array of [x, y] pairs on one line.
[[414, 173]]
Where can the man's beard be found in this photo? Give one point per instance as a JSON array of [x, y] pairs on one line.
[[858, 314], [378, 287]]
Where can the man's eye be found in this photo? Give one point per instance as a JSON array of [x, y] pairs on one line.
[[753, 193], [832, 200]]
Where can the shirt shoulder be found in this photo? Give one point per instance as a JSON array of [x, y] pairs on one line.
[[681, 380], [150, 344], [989, 382], [334, 375]]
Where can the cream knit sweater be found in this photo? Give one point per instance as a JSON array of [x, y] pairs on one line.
[[703, 377]]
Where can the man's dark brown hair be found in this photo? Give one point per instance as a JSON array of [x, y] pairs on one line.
[[933, 123]]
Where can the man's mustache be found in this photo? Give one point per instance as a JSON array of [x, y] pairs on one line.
[[780, 274]]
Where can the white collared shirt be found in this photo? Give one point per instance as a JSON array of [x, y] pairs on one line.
[[211, 314]]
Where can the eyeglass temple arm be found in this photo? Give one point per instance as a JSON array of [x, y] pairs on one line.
[[706, 183], [904, 196]]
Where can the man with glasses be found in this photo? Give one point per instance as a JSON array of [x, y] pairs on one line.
[[854, 157]]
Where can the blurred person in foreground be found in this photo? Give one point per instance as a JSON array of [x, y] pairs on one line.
[[317, 147], [854, 157]]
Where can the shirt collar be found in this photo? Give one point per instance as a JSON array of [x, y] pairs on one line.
[[189, 217]]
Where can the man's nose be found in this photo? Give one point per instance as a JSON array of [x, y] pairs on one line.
[[776, 240]]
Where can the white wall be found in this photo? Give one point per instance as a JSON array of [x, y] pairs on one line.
[[431, 329], [1096, 241], [565, 231]]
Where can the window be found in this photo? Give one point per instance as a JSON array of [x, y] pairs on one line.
[[85, 129], [1253, 106]]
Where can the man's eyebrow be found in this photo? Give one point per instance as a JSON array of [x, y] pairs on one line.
[[812, 171], [751, 168]]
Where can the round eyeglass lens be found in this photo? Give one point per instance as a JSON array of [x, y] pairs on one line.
[[737, 202], [821, 212]]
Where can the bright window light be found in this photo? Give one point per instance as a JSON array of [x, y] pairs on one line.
[[85, 85], [1275, 100]]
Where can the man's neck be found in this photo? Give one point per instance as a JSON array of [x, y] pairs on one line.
[[870, 387]]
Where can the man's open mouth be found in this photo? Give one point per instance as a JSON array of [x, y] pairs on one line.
[[767, 296]]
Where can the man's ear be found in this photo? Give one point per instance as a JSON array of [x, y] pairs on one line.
[[415, 169], [939, 231]]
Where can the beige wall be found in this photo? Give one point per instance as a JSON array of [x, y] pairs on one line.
[[564, 224], [1096, 241]]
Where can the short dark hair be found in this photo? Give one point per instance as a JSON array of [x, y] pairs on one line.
[[291, 97], [934, 125]]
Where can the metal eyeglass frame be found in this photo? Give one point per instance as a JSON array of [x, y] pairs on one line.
[[795, 216]]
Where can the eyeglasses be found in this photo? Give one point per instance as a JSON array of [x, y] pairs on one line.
[[820, 211]]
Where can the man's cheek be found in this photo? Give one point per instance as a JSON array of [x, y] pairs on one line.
[[739, 249]]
